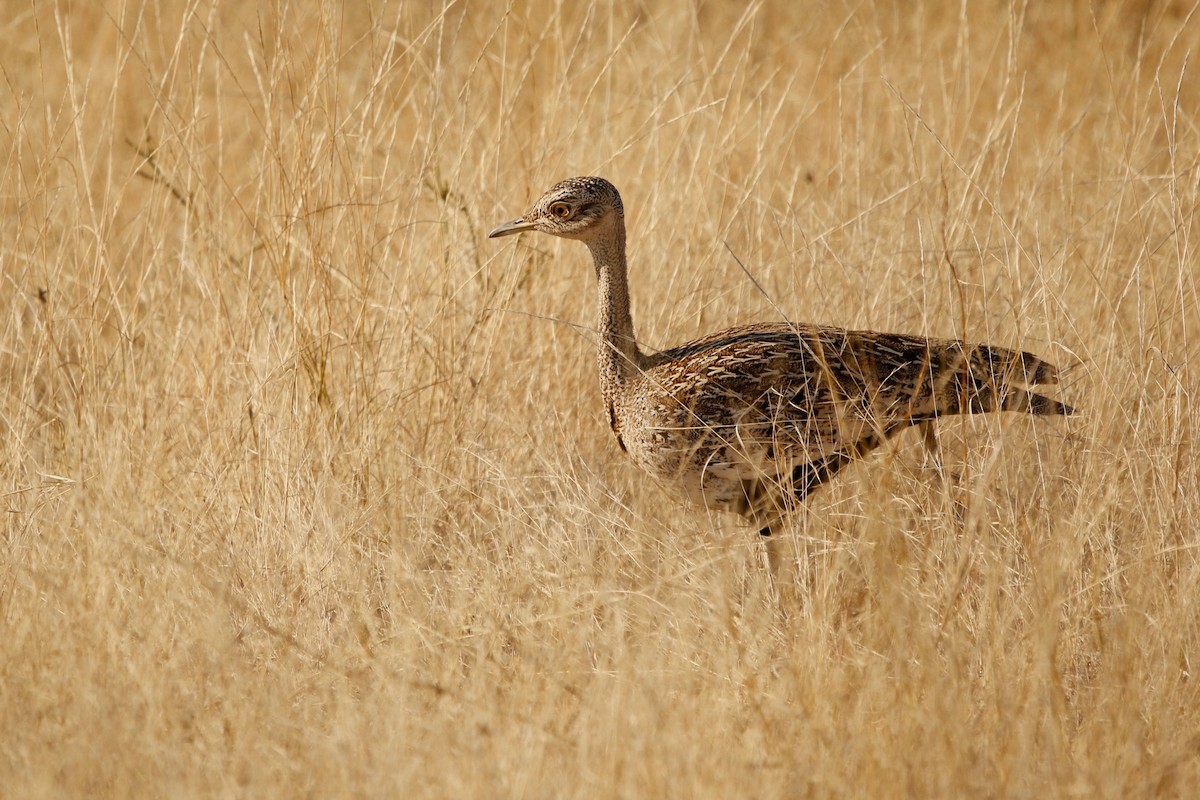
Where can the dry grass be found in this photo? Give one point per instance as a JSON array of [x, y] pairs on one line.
[[308, 490]]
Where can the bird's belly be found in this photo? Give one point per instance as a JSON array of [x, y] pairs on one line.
[[723, 468]]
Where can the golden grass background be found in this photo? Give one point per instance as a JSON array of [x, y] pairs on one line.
[[308, 491]]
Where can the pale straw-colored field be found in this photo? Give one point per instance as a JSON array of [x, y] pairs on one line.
[[308, 490]]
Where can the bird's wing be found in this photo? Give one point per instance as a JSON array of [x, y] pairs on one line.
[[803, 392]]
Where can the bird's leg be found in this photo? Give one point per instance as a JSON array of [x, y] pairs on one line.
[[784, 588], [772, 544], [930, 438]]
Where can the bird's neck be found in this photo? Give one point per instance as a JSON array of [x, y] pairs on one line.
[[619, 356]]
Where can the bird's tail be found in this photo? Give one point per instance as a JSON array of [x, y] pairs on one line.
[[1025, 401], [994, 378]]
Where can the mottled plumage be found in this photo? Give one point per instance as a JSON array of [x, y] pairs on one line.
[[752, 419]]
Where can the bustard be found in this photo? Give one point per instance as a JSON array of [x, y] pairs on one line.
[[752, 419]]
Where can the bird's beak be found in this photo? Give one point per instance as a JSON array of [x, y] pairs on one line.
[[511, 227]]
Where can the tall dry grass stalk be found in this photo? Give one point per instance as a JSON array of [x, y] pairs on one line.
[[307, 490]]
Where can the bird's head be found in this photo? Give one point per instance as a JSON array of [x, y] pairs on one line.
[[577, 208]]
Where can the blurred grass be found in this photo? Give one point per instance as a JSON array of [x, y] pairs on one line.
[[308, 491]]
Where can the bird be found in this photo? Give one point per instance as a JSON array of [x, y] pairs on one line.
[[753, 419]]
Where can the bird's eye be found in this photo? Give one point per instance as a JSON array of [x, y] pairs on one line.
[[560, 210]]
